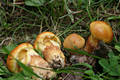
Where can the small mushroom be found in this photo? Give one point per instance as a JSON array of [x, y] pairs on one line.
[[100, 31], [46, 39], [26, 54], [74, 41], [54, 56]]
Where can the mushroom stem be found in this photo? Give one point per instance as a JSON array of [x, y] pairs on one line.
[[91, 44]]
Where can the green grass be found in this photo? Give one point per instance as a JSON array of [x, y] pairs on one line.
[[22, 23]]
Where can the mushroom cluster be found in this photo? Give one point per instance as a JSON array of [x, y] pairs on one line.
[[26, 54], [50, 46], [100, 31], [46, 42]]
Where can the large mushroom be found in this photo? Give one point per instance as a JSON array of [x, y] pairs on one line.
[[54, 56], [100, 31], [25, 53], [46, 39], [22, 52], [49, 44]]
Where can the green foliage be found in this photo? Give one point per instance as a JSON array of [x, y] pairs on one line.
[[17, 76], [117, 46], [71, 27], [39, 53], [69, 11], [2, 17], [35, 2], [9, 76], [92, 75], [83, 53], [113, 17], [111, 65], [90, 72], [3, 69], [7, 49]]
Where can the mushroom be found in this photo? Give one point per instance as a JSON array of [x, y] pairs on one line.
[[46, 39], [41, 68], [54, 56], [49, 44], [100, 31], [22, 52], [26, 54], [74, 41]]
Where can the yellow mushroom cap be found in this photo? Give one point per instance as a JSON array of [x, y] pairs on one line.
[[46, 39], [22, 52], [26, 54], [101, 31], [74, 40]]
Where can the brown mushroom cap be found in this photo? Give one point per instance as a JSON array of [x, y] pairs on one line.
[[54, 56], [101, 31], [46, 39], [22, 52], [74, 40], [41, 68]]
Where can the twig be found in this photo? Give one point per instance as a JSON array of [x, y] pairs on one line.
[[66, 76], [8, 38], [19, 3], [76, 12]]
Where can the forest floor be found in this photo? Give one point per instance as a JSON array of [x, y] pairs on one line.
[[22, 20]]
